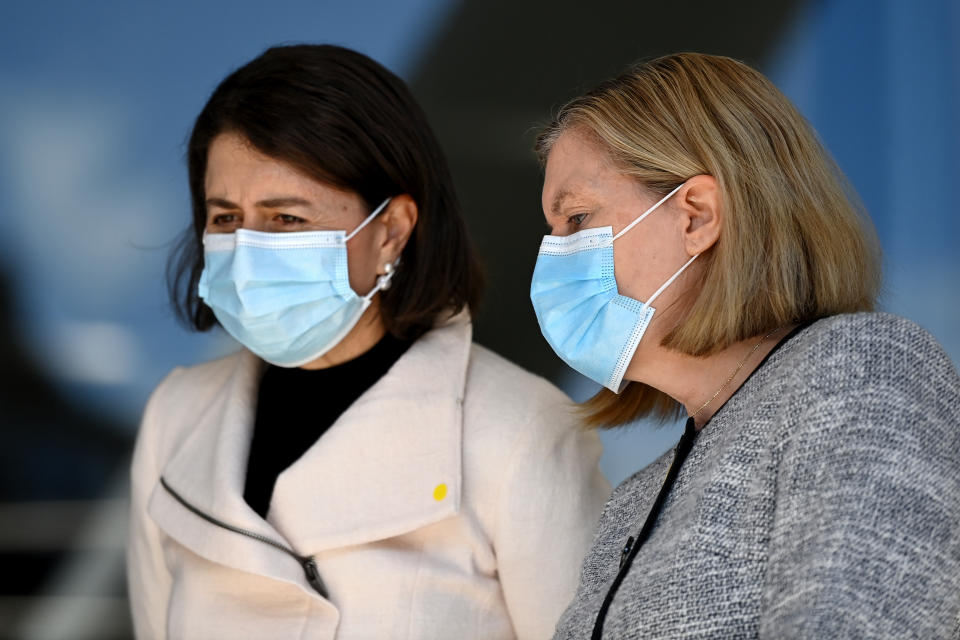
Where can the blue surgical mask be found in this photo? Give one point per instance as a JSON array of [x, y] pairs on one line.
[[284, 296], [588, 323]]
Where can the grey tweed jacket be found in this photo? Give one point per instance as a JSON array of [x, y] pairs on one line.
[[822, 501]]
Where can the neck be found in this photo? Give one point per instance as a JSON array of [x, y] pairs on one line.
[[693, 381], [368, 331]]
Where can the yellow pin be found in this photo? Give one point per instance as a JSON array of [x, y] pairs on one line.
[[440, 492]]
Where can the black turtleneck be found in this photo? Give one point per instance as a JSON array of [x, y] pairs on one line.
[[296, 406]]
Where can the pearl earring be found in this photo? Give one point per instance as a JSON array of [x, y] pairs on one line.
[[384, 280]]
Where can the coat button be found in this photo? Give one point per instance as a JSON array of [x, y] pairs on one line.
[[440, 492]]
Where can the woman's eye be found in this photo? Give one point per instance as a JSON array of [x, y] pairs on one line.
[[224, 219], [576, 219]]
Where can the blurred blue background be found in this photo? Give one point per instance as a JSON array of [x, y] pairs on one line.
[[96, 102]]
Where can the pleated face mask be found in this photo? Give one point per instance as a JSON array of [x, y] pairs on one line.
[[588, 323], [284, 296]]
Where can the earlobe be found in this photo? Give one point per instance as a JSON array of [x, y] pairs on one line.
[[701, 202]]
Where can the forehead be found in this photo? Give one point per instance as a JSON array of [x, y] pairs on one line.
[[231, 157], [238, 171], [578, 170]]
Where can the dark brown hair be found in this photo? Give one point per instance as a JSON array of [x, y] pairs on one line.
[[346, 121]]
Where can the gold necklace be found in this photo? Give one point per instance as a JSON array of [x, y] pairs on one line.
[[734, 374]]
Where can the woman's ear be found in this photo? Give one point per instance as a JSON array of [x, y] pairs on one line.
[[399, 220], [701, 204]]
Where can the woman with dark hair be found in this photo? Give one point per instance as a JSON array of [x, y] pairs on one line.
[[360, 469]]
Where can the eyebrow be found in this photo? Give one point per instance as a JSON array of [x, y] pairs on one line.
[[558, 199], [271, 203]]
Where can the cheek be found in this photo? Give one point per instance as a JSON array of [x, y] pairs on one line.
[[362, 262], [633, 266], [641, 270], [631, 256], [642, 264]]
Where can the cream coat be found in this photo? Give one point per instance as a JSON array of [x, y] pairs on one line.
[[455, 499]]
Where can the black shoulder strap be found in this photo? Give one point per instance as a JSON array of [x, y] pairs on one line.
[[633, 545]]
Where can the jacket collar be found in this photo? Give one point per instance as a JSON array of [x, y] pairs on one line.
[[390, 464]]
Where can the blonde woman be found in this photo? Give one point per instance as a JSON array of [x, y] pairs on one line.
[[706, 257]]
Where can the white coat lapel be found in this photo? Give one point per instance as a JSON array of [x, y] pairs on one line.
[[208, 472], [392, 462]]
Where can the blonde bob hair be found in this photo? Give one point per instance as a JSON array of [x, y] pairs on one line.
[[795, 245]]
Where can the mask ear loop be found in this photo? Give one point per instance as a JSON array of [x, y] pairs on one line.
[[367, 221], [647, 212], [668, 282], [383, 282]]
